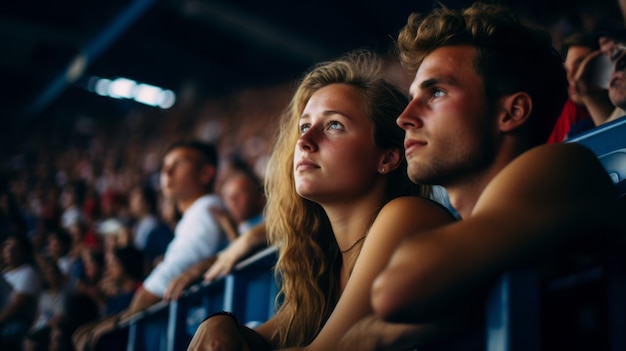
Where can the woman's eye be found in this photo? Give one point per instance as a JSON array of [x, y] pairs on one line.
[[303, 128], [334, 125]]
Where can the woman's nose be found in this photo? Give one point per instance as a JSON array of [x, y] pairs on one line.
[[307, 140]]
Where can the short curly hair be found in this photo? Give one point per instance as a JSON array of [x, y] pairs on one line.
[[511, 57]]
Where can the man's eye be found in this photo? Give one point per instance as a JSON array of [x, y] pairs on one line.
[[438, 93]]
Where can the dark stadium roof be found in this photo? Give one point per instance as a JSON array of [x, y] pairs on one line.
[[51, 48]]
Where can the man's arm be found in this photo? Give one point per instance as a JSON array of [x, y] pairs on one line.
[[541, 200], [372, 333], [142, 299], [236, 251], [194, 273], [225, 222]]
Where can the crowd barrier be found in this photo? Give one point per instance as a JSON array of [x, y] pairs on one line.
[[249, 292]]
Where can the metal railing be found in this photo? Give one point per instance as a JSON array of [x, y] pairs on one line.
[[249, 292]]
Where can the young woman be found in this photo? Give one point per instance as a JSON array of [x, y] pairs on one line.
[[337, 207]]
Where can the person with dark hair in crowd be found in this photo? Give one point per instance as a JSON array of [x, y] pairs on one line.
[[72, 200], [124, 268], [339, 201], [50, 305], [575, 48], [59, 243], [486, 93], [593, 80], [19, 288], [89, 281], [122, 277], [150, 234], [187, 179]]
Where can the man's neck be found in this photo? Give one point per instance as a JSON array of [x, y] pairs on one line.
[[183, 205], [464, 198], [465, 193]]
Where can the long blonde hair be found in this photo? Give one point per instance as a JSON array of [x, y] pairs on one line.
[[309, 258]]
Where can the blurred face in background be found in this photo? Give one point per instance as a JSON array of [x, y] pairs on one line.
[[93, 270], [11, 252], [575, 55], [114, 268], [617, 82], [137, 203], [242, 197], [183, 175]]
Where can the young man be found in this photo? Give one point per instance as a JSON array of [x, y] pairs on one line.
[[244, 199], [187, 178], [486, 93]]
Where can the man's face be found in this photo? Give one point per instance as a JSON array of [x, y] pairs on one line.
[[617, 82], [449, 128], [182, 174]]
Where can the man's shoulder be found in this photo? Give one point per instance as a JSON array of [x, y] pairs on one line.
[[555, 174], [201, 206], [556, 159], [198, 216], [206, 199]]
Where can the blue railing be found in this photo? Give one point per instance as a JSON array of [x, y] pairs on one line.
[[249, 292], [515, 310]]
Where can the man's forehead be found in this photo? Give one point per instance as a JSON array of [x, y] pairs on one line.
[[180, 153], [443, 56], [445, 64]]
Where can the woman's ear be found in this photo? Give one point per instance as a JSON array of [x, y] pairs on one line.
[[392, 158], [516, 109]]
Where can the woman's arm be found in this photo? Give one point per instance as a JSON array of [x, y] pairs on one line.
[[398, 219], [223, 332]]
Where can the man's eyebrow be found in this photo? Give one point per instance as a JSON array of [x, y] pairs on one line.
[[431, 82], [434, 81]]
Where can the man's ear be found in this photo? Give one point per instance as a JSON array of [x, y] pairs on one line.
[[515, 109], [207, 173], [392, 158]]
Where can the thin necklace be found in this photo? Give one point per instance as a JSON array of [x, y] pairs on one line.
[[354, 243]]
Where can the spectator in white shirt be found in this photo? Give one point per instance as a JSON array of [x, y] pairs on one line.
[[187, 179]]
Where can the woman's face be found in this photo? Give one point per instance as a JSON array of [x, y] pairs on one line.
[[335, 156], [136, 202], [114, 268], [92, 269], [11, 253]]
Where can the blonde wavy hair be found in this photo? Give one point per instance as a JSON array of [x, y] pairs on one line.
[[511, 57], [309, 258]]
